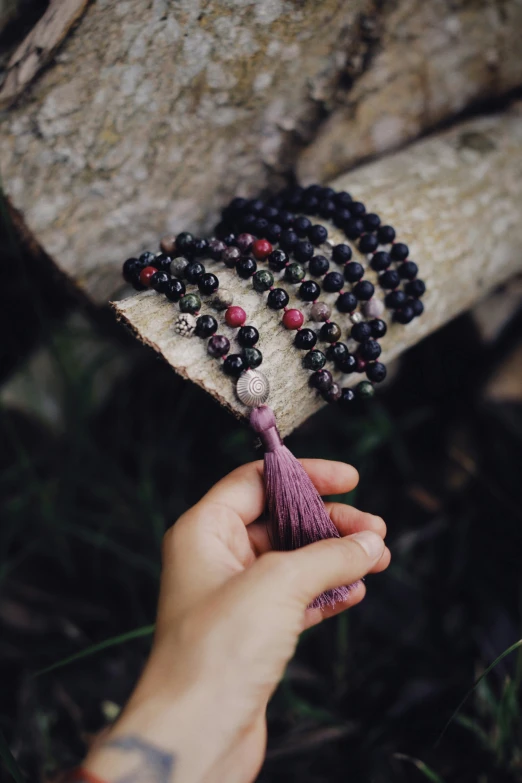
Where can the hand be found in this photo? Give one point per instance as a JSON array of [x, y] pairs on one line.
[[230, 614]]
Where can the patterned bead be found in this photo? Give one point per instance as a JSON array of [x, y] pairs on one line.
[[263, 280], [314, 360], [320, 311], [253, 357], [294, 273], [218, 345], [185, 325], [364, 390], [253, 388], [190, 303], [222, 299]]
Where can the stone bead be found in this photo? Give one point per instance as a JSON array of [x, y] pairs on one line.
[[175, 289], [320, 311], [364, 390], [206, 325], [253, 357], [405, 315], [244, 242], [218, 345], [248, 336], [347, 364], [146, 275], [263, 280], [294, 273], [235, 316], [346, 399], [246, 267], [234, 365], [184, 242], [293, 319], [374, 308], [321, 380], [168, 244], [330, 332], [216, 248], [222, 299], [277, 299], [370, 350], [305, 339], [178, 266], [261, 249], [208, 283], [185, 325], [146, 259], [190, 303], [314, 360], [347, 302], [378, 328], [159, 281], [231, 256], [336, 352], [376, 372], [333, 394], [277, 260], [309, 290], [162, 262]]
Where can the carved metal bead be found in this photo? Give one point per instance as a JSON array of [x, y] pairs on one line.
[[222, 299], [356, 318], [253, 388], [185, 325]]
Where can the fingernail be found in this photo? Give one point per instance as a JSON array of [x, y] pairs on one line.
[[372, 543]]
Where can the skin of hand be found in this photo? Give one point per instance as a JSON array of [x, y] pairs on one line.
[[230, 614]]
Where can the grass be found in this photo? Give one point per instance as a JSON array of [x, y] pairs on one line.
[[85, 495]]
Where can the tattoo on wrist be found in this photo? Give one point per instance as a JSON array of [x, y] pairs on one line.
[[153, 765]]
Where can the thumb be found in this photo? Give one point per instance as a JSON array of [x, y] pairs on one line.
[[326, 564]]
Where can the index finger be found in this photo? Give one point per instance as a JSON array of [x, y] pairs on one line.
[[243, 490]]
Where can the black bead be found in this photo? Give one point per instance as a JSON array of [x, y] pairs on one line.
[[216, 248], [347, 398], [364, 290], [385, 235], [380, 261], [326, 193], [347, 302], [333, 281], [229, 239], [234, 365], [347, 364], [405, 315], [399, 251], [313, 190], [247, 222], [326, 208], [417, 306], [353, 272], [162, 262], [288, 239], [395, 299], [208, 283], [310, 204], [301, 226], [146, 259], [357, 208], [390, 279], [206, 325], [378, 327], [317, 234], [342, 198], [159, 281], [194, 271], [247, 336], [368, 243], [260, 227], [330, 332], [246, 267], [270, 213], [376, 372], [238, 205], [256, 206], [415, 288], [273, 233], [314, 360], [309, 291], [304, 251], [332, 394], [341, 254], [175, 289], [369, 350], [184, 243], [253, 357], [318, 266], [353, 228], [408, 270], [341, 217], [200, 247], [277, 299], [305, 339], [361, 332], [336, 352], [286, 219], [321, 380], [371, 221], [277, 260], [131, 269]]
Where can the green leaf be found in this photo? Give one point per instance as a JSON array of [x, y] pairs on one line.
[[113, 641], [490, 668], [9, 761], [421, 766]]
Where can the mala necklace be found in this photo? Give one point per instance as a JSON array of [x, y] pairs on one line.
[[296, 513]]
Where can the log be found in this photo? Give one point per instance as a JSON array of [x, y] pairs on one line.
[[153, 114], [455, 199]]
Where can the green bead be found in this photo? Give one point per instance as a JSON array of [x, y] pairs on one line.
[[190, 303], [365, 390], [253, 357], [263, 280], [294, 273], [314, 360]]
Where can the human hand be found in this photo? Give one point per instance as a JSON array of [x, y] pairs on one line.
[[230, 614]]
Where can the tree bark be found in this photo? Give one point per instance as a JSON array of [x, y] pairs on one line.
[[154, 114], [455, 199]]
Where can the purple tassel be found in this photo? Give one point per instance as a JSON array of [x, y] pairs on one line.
[[296, 512]]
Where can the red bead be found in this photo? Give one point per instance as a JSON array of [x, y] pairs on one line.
[[261, 249], [146, 274], [235, 316], [293, 319]]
